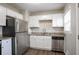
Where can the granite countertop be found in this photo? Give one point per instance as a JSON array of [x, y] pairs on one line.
[[58, 34]]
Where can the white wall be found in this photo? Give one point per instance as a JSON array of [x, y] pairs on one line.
[[70, 37], [26, 15], [26, 18]]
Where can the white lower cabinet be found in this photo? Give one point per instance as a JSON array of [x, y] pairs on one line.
[[6, 46], [41, 42]]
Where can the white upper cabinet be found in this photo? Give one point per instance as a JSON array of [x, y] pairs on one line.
[[2, 16], [14, 14], [33, 22], [58, 20]]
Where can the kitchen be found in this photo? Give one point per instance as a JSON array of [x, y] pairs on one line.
[[37, 30]]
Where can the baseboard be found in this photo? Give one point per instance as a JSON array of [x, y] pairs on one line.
[[41, 48], [25, 50]]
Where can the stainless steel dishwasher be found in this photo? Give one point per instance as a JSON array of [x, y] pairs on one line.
[[58, 43]]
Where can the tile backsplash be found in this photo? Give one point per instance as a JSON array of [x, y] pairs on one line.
[[55, 29]]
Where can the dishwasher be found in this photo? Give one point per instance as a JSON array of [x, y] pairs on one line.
[[57, 43]]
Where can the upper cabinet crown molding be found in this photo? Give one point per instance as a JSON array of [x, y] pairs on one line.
[[14, 14], [2, 16]]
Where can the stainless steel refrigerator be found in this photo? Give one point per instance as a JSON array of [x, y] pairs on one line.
[[22, 37]]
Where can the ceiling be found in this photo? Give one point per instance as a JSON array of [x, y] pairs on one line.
[[35, 7]]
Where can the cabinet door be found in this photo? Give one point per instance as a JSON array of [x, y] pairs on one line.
[[32, 41], [7, 47], [2, 16], [48, 42], [41, 43], [58, 20], [33, 21], [36, 42]]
